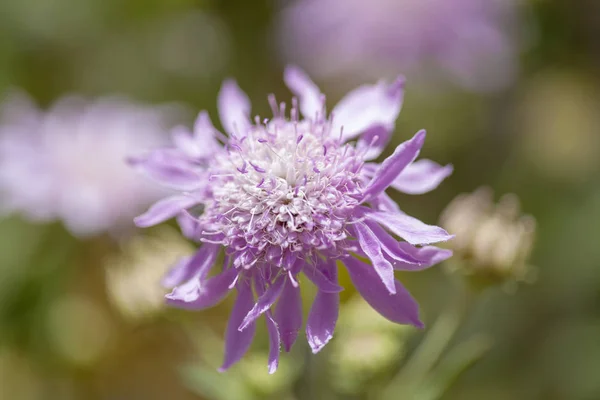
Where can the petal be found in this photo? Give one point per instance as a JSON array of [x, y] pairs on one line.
[[309, 95], [408, 228], [323, 314], [427, 256], [237, 342], [177, 273], [274, 343], [207, 293], [399, 307], [288, 314], [374, 141], [421, 176], [164, 209], [370, 245], [234, 108], [205, 131], [320, 280], [368, 106], [392, 166], [198, 265], [188, 225], [391, 247], [168, 168], [264, 302]]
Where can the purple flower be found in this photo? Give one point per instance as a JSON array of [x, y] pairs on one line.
[[69, 163], [468, 41], [295, 195]]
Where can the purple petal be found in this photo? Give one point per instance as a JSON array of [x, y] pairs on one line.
[[203, 294], [234, 108], [323, 314], [368, 106], [205, 131], [168, 168], [370, 245], [427, 256], [399, 307], [264, 302], [421, 176], [237, 342], [197, 265], [288, 314], [408, 228], [309, 95], [374, 141], [389, 169], [188, 225], [196, 147], [390, 246], [177, 273], [320, 280], [273, 343], [164, 209]]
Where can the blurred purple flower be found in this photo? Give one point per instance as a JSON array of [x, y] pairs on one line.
[[69, 163], [467, 40], [295, 195]]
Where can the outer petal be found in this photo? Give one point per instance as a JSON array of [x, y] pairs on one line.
[[274, 343], [237, 342], [318, 278], [264, 302], [207, 294], [205, 131], [197, 265], [392, 166], [188, 225], [408, 228], [391, 247], [421, 176], [323, 314], [168, 168], [177, 273], [427, 256], [311, 99], [234, 108], [288, 314], [164, 209], [374, 141], [399, 307], [370, 245], [366, 107]]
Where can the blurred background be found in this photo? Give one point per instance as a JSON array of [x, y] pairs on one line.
[[509, 93]]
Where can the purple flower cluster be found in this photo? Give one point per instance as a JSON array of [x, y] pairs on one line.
[[295, 195], [468, 41], [69, 163]]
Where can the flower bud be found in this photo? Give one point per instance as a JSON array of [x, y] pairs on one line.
[[493, 241]]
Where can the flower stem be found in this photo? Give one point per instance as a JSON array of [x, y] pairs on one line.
[[433, 345]]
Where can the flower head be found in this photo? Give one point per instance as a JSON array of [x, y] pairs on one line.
[[69, 163], [494, 241], [295, 195], [466, 40]]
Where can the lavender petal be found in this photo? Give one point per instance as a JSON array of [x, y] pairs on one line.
[[392, 166], [323, 314], [399, 307], [238, 342], [370, 245], [164, 209], [288, 314]]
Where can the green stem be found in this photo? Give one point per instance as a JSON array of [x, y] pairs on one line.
[[431, 347]]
